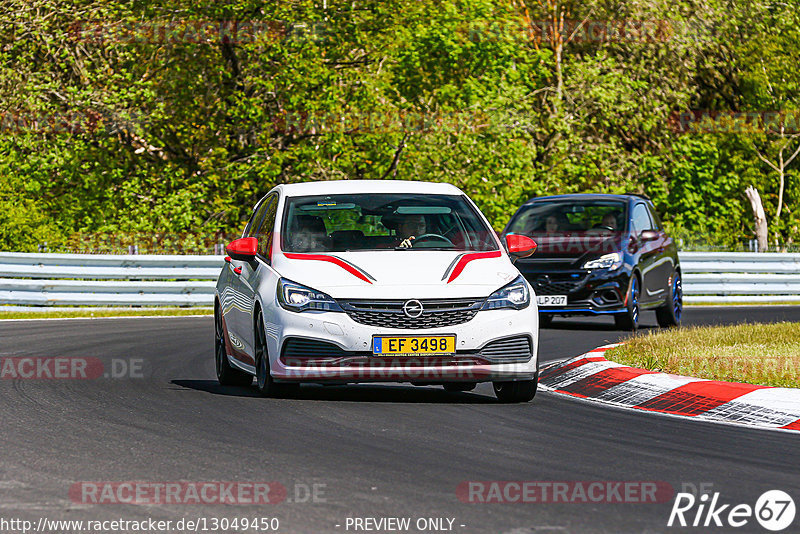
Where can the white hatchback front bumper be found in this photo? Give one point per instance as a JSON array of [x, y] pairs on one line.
[[332, 347]]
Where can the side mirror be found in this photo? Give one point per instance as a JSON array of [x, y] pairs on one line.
[[243, 249], [520, 246], [648, 235]]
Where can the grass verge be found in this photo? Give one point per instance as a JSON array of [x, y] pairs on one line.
[[755, 353], [63, 314]]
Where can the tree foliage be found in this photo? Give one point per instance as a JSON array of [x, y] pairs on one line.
[[166, 117]]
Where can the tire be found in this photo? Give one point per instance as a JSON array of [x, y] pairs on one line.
[[227, 375], [629, 320], [455, 387], [669, 315], [514, 392], [545, 320], [266, 386]]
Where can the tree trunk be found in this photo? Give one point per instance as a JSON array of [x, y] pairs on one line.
[[758, 215]]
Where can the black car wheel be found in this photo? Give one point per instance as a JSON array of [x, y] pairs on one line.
[[264, 382], [545, 320], [629, 320], [226, 374], [670, 313], [519, 391]]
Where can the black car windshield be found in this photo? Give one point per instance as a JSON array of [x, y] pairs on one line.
[[339, 223], [569, 217]]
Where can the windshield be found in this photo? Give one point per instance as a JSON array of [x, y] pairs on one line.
[[339, 223], [570, 217]]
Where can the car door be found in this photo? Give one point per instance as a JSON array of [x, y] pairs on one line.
[[253, 273], [238, 303], [664, 263], [647, 252]]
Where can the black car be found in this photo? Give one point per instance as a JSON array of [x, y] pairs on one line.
[[600, 254]]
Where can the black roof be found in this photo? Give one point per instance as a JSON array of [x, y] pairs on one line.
[[589, 196]]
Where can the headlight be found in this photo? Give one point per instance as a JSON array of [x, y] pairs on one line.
[[607, 261], [514, 295], [297, 298]]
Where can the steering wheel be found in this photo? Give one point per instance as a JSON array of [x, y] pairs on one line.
[[432, 237], [603, 227]]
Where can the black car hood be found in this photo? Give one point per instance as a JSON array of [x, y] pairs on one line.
[[570, 251]]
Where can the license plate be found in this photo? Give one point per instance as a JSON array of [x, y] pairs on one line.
[[414, 345], [551, 300]]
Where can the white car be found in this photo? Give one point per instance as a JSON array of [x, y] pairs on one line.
[[375, 281]]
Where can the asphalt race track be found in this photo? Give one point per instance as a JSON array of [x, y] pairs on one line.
[[372, 451]]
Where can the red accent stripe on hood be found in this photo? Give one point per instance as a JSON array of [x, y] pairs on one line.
[[331, 259], [466, 258]]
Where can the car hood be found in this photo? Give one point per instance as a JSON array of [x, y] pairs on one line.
[[571, 251], [398, 274]]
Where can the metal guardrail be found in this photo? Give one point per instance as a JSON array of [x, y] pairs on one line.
[[740, 277], [107, 280], [153, 280]]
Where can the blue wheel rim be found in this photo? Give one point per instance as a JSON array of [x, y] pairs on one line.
[[677, 297], [634, 301]]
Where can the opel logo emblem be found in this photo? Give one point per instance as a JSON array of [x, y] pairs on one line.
[[543, 280], [412, 308]]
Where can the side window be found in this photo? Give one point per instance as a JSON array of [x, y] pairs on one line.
[[641, 219], [258, 214], [655, 218], [265, 231]]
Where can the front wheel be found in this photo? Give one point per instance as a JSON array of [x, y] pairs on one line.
[[514, 392], [545, 320], [629, 320], [264, 382], [226, 374], [670, 313]]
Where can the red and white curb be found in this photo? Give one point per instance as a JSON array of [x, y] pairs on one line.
[[591, 376]]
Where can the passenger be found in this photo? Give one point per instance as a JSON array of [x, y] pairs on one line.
[[310, 234]]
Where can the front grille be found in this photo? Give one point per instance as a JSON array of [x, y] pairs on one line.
[[296, 348], [512, 347], [437, 313], [517, 349], [556, 283]]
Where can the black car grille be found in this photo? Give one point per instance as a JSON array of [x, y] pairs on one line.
[[556, 283], [512, 349], [296, 348], [437, 313]]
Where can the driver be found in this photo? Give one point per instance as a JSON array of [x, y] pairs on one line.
[[610, 221], [551, 225], [409, 227]]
